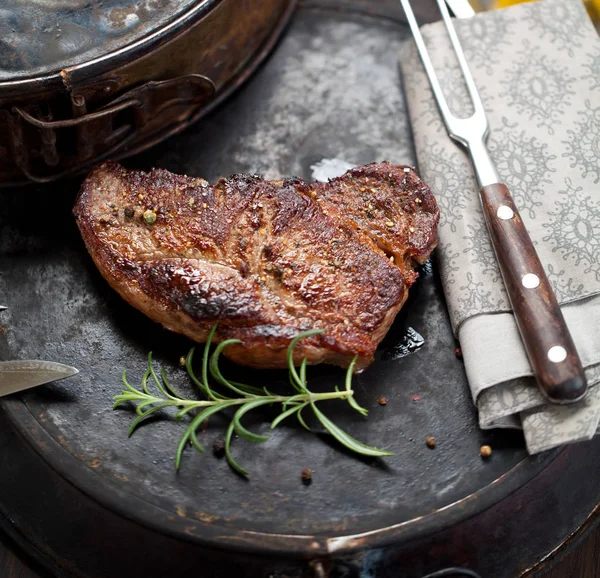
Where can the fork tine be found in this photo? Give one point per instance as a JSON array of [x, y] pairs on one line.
[[427, 64], [462, 61], [471, 132]]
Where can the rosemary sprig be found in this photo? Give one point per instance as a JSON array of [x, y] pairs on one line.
[[246, 399]]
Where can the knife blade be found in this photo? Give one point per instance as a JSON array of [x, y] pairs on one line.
[[20, 375]]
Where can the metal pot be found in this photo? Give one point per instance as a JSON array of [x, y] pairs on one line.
[[83, 80]]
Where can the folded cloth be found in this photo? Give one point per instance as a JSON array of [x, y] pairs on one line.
[[537, 68]]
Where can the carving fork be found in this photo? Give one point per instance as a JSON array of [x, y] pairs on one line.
[[548, 343]]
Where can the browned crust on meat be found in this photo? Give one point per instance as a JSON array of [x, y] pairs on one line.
[[392, 205], [264, 259]]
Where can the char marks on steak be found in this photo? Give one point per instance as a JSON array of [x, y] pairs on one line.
[[264, 259]]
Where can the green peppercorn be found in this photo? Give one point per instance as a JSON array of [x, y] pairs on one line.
[[149, 217]]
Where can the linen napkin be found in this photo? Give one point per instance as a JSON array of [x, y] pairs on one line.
[[537, 68]]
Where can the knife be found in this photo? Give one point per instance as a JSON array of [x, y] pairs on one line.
[[23, 374]]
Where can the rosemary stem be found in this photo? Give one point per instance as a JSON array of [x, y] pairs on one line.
[[306, 397]]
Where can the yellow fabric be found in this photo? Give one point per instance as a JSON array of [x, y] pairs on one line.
[[505, 3], [593, 7]]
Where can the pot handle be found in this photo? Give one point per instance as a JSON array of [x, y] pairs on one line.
[[100, 134]]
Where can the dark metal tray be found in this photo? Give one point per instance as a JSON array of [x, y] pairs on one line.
[[90, 502]]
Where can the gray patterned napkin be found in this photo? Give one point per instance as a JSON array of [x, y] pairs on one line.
[[537, 67]]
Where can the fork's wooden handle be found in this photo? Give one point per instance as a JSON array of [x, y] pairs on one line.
[[547, 340]]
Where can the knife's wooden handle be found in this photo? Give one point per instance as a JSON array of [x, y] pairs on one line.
[[547, 340]]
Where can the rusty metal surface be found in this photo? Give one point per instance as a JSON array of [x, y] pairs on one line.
[[569, 543], [55, 125], [331, 90], [95, 133], [44, 36]]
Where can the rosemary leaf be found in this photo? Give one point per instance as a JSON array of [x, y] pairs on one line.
[[140, 407], [286, 414], [303, 373], [243, 390], [230, 458], [172, 393], [144, 415], [194, 425], [240, 429], [190, 369], [123, 397], [205, 383], [145, 381], [346, 439], [256, 391], [301, 419], [155, 377], [188, 366], [351, 399], [295, 379], [294, 399], [194, 439], [129, 387], [183, 440], [183, 412]]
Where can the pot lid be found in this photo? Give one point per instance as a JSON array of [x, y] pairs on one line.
[[40, 37]]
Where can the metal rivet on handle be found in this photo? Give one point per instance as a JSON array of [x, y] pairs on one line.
[[504, 212], [557, 354], [530, 280]]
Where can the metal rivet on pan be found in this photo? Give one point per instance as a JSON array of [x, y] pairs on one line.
[[530, 281], [557, 354], [504, 212]]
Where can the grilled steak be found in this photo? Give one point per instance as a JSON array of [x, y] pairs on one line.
[[264, 259]]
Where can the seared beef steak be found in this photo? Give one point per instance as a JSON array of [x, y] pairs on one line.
[[263, 259]]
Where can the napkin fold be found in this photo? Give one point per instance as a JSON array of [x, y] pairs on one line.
[[537, 68]]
